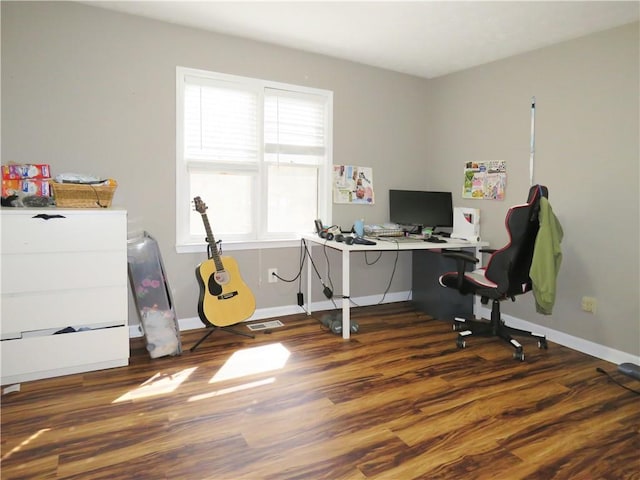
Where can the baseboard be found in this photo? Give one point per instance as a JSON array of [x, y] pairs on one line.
[[193, 323], [575, 343]]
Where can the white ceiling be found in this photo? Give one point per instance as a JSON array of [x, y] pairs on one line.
[[423, 38]]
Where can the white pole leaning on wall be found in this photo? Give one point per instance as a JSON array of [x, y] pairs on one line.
[[532, 151]]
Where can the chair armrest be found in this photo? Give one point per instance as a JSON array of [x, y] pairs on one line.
[[462, 259], [488, 250], [462, 256]]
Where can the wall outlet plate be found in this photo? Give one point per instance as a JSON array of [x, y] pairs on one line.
[[589, 304], [272, 272]]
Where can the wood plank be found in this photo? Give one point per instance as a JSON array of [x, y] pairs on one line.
[[398, 400]]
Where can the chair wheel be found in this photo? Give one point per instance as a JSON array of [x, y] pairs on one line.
[[461, 343], [543, 344], [519, 355]]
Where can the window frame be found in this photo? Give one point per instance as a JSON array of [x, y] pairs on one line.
[[185, 243]]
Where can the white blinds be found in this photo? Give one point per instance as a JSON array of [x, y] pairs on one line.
[[220, 123], [266, 145], [294, 124]]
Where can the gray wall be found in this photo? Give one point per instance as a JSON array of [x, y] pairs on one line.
[[587, 153], [90, 90]]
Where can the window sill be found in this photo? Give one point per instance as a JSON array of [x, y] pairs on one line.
[[240, 245]]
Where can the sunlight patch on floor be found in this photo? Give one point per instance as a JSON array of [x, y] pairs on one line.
[[159, 384], [252, 361], [26, 442], [237, 388]]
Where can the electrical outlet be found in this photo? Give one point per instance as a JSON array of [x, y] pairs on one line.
[[589, 304], [272, 272]]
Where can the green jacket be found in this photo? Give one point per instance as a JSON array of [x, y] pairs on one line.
[[547, 257]]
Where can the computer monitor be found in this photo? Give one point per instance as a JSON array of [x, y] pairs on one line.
[[421, 209]]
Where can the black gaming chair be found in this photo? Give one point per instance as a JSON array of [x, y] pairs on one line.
[[505, 276]]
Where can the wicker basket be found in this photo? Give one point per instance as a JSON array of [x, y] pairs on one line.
[[82, 196]]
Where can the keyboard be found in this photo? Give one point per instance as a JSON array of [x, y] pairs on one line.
[[401, 239]]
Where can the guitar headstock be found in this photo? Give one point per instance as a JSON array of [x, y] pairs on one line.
[[199, 205]]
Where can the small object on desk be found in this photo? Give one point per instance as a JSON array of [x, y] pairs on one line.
[[363, 241], [434, 240]]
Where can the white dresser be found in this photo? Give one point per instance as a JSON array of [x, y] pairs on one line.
[[62, 268]]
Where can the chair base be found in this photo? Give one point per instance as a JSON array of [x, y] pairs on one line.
[[495, 328]]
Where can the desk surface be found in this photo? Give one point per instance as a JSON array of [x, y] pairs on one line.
[[390, 244], [381, 245]]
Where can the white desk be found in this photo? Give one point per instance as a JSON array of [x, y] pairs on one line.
[[381, 245]]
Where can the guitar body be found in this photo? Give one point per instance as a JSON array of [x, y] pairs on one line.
[[224, 297]]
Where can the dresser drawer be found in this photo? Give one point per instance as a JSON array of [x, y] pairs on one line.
[[64, 231], [38, 272], [67, 308], [52, 355]]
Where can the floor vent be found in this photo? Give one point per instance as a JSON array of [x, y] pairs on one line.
[[265, 325]]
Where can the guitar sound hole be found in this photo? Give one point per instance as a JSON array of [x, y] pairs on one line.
[[214, 288]]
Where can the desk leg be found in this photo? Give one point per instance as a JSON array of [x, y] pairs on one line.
[[346, 319], [309, 280]]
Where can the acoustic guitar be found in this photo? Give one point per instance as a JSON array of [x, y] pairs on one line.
[[224, 297]]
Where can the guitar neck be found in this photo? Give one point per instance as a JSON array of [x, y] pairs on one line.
[[212, 243]]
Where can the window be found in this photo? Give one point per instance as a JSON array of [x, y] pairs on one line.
[[257, 153]]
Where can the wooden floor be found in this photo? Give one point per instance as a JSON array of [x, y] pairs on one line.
[[397, 401]]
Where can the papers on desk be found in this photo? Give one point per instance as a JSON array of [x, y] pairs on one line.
[[384, 230]]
